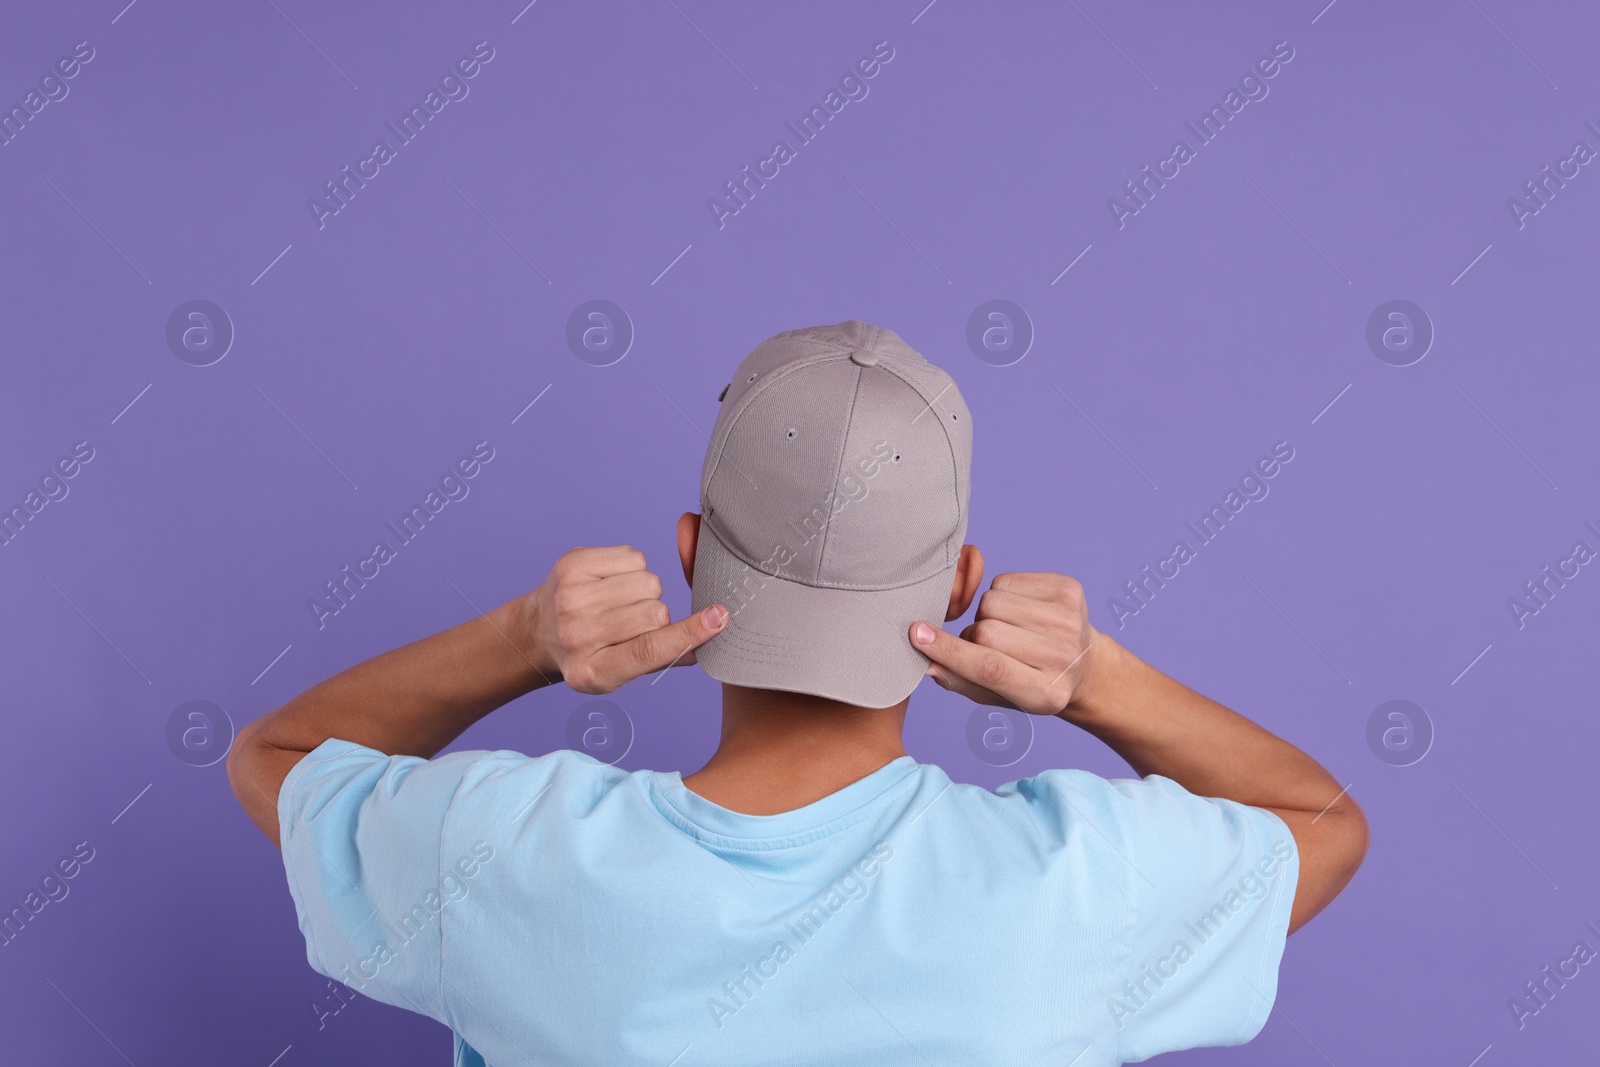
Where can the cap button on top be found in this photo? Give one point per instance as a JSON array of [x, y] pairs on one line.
[[864, 358]]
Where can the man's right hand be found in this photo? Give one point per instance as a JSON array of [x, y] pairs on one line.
[[1028, 648], [1032, 648], [598, 621]]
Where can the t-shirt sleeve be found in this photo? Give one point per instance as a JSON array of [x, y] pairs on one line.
[[1211, 884], [361, 835]]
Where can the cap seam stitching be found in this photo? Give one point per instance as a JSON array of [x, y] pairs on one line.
[[735, 416], [955, 466], [838, 465]]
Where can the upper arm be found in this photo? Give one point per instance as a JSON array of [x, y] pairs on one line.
[[363, 839], [1202, 889]]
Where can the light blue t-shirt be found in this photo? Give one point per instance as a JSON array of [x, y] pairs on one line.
[[554, 910]]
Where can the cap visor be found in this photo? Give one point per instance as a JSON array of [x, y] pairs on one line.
[[844, 644]]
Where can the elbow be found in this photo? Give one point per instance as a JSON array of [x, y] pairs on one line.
[[1344, 847], [1365, 840], [240, 756], [1356, 837], [1332, 847], [250, 773]]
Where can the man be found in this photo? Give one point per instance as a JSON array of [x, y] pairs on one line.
[[812, 894]]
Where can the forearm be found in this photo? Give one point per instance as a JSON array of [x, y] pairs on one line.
[[414, 700], [596, 622], [1161, 726], [411, 701]]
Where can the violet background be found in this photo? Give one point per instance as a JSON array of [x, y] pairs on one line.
[[1221, 319]]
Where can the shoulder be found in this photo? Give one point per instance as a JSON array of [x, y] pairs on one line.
[[1051, 804], [494, 779], [1166, 836], [1060, 796], [1061, 805], [1119, 799], [344, 781]]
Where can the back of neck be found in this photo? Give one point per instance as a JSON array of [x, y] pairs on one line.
[[780, 751]]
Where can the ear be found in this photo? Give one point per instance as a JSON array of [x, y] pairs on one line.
[[688, 538], [969, 576]]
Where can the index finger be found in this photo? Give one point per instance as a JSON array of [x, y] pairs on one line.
[[1041, 585], [991, 669], [604, 562], [664, 647]]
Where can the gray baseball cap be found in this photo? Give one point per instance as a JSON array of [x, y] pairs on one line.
[[833, 507]]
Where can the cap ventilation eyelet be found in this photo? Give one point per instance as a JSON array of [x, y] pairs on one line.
[[791, 433], [750, 379], [896, 458]]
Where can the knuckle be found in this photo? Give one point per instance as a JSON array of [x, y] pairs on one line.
[[985, 631], [990, 669], [648, 650], [660, 614]]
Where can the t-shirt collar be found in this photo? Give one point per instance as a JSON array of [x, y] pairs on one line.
[[703, 818]]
